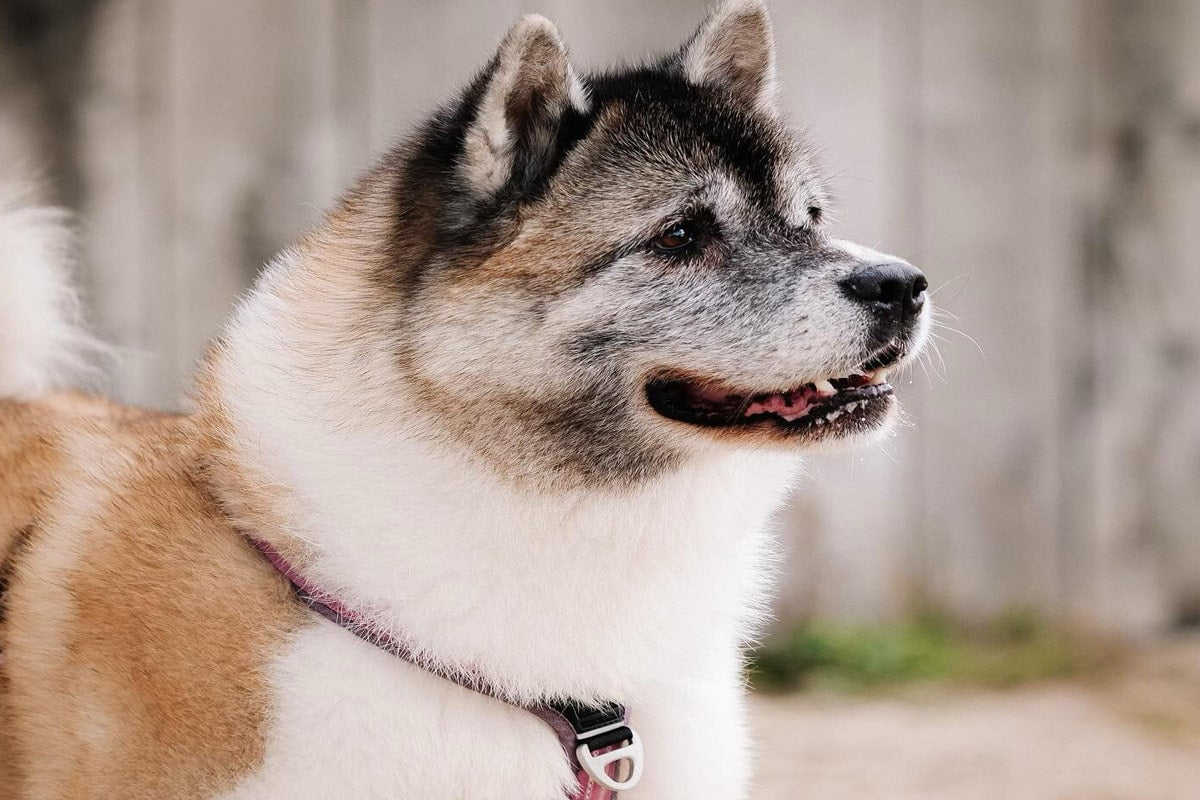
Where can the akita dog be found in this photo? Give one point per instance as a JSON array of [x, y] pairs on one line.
[[474, 498]]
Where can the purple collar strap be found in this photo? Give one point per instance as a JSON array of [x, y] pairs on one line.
[[605, 753]]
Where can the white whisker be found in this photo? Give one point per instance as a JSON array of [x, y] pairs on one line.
[[951, 329]]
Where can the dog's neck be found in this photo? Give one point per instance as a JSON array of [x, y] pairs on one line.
[[588, 594]]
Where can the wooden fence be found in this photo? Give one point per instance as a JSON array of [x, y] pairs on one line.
[[1041, 161]]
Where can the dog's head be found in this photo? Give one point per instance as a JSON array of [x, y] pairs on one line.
[[601, 275]]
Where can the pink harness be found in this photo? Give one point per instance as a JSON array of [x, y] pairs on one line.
[[596, 740]]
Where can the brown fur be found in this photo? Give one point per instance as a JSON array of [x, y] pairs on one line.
[[138, 623]]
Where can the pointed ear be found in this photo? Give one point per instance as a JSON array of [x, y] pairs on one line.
[[529, 87], [735, 49]]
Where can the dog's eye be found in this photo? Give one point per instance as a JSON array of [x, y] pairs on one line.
[[677, 238]]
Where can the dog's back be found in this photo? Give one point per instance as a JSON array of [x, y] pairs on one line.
[[32, 456]]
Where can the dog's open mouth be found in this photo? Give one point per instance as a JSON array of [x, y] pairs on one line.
[[854, 403]]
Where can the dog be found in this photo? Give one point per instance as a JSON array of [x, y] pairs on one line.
[[514, 419]]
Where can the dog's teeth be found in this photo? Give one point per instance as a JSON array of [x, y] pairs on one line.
[[825, 388], [878, 378]]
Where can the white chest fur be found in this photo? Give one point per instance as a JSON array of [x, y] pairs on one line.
[[351, 721], [650, 612]]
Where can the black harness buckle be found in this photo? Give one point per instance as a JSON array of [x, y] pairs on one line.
[[596, 726]]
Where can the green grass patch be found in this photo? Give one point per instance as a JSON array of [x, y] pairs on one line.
[[1013, 649]]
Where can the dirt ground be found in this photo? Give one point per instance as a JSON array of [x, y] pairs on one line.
[[1131, 734]]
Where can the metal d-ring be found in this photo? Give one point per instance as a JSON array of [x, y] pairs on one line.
[[595, 764]]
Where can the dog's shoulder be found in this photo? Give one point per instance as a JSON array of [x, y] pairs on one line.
[[130, 587]]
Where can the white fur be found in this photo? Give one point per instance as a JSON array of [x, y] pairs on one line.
[[42, 341], [643, 596]]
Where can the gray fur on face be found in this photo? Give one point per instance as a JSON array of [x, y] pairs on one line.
[[559, 353]]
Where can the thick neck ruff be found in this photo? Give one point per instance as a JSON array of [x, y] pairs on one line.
[[596, 740]]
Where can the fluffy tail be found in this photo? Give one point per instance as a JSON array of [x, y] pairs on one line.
[[43, 343]]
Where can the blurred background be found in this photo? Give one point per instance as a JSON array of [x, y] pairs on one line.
[[1034, 530]]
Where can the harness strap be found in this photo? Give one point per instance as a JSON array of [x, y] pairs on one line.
[[596, 740]]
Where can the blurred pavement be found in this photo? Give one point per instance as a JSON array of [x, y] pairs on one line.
[[1132, 735]]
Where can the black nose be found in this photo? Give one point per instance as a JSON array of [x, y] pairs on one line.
[[895, 287]]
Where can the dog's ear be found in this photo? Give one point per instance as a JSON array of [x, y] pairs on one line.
[[528, 89], [734, 48]]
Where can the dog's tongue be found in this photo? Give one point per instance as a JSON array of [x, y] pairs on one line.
[[789, 405]]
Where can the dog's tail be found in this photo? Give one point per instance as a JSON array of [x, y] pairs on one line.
[[43, 342]]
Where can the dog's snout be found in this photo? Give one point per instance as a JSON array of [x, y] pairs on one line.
[[896, 288]]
